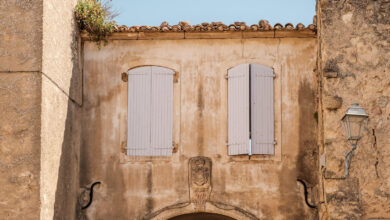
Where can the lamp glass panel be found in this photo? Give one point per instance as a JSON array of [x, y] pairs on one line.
[[354, 125], [346, 127]]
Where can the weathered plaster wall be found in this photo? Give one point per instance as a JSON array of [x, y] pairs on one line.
[[61, 102], [20, 98], [354, 65], [264, 186]]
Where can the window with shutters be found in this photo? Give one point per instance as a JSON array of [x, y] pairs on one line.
[[150, 111], [251, 110]]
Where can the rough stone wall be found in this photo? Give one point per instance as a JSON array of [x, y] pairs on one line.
[[20, 144], [158, 188], [21, 35], [39, 104], [20, 109], [354, 66]]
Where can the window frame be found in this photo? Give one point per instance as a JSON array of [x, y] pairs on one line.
[[124, 157], [277, 105]]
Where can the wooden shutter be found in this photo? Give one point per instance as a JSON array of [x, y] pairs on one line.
[[150, 111], [238, 110], [139, 96], [162, 111], [262, 109]]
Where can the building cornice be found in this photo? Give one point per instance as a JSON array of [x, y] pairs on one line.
[[214, 30]]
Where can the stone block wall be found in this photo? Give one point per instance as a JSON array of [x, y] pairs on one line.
[[20, 98], [354, 66], [20, 109], [40, 99], [20, 35]]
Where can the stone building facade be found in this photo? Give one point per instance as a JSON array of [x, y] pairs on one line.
[[64, 118], [354, 42], [242, 187]]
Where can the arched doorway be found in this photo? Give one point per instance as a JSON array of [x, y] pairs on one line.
[[201, 216]]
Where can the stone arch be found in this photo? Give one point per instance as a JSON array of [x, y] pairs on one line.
[[234, 63], [213, 208], [201, 215], [135, 67], [253, 63], [135, 63]]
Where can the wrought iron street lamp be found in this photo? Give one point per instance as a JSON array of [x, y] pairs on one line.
[[354, 121]]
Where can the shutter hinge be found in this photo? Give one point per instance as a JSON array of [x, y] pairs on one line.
[[175, 147], [175, 77], [234, 76], [124, 77]]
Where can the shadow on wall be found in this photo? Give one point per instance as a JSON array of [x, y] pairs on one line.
[[65, 206], [306, 162], [308, 150]]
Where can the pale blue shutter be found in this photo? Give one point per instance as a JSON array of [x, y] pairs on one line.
[[150, 111], [139, 96], [262, 109], [162, 111], [238, 110]]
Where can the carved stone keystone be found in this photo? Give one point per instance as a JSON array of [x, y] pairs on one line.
[[199, 181]]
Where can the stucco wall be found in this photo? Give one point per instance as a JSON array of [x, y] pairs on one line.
[[20, 98], [61, 103], [136, 188], [354, 63]]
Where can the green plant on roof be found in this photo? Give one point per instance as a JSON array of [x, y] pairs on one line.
[[95, 17]]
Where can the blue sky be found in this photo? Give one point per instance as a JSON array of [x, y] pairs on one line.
[[153, 12]]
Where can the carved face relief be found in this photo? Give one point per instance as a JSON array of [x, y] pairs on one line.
[[200, 172], [200, 181]]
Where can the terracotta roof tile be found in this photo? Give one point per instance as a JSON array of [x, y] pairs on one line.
[[300, 26], [278, 26], [214, 27], [289, 26]]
